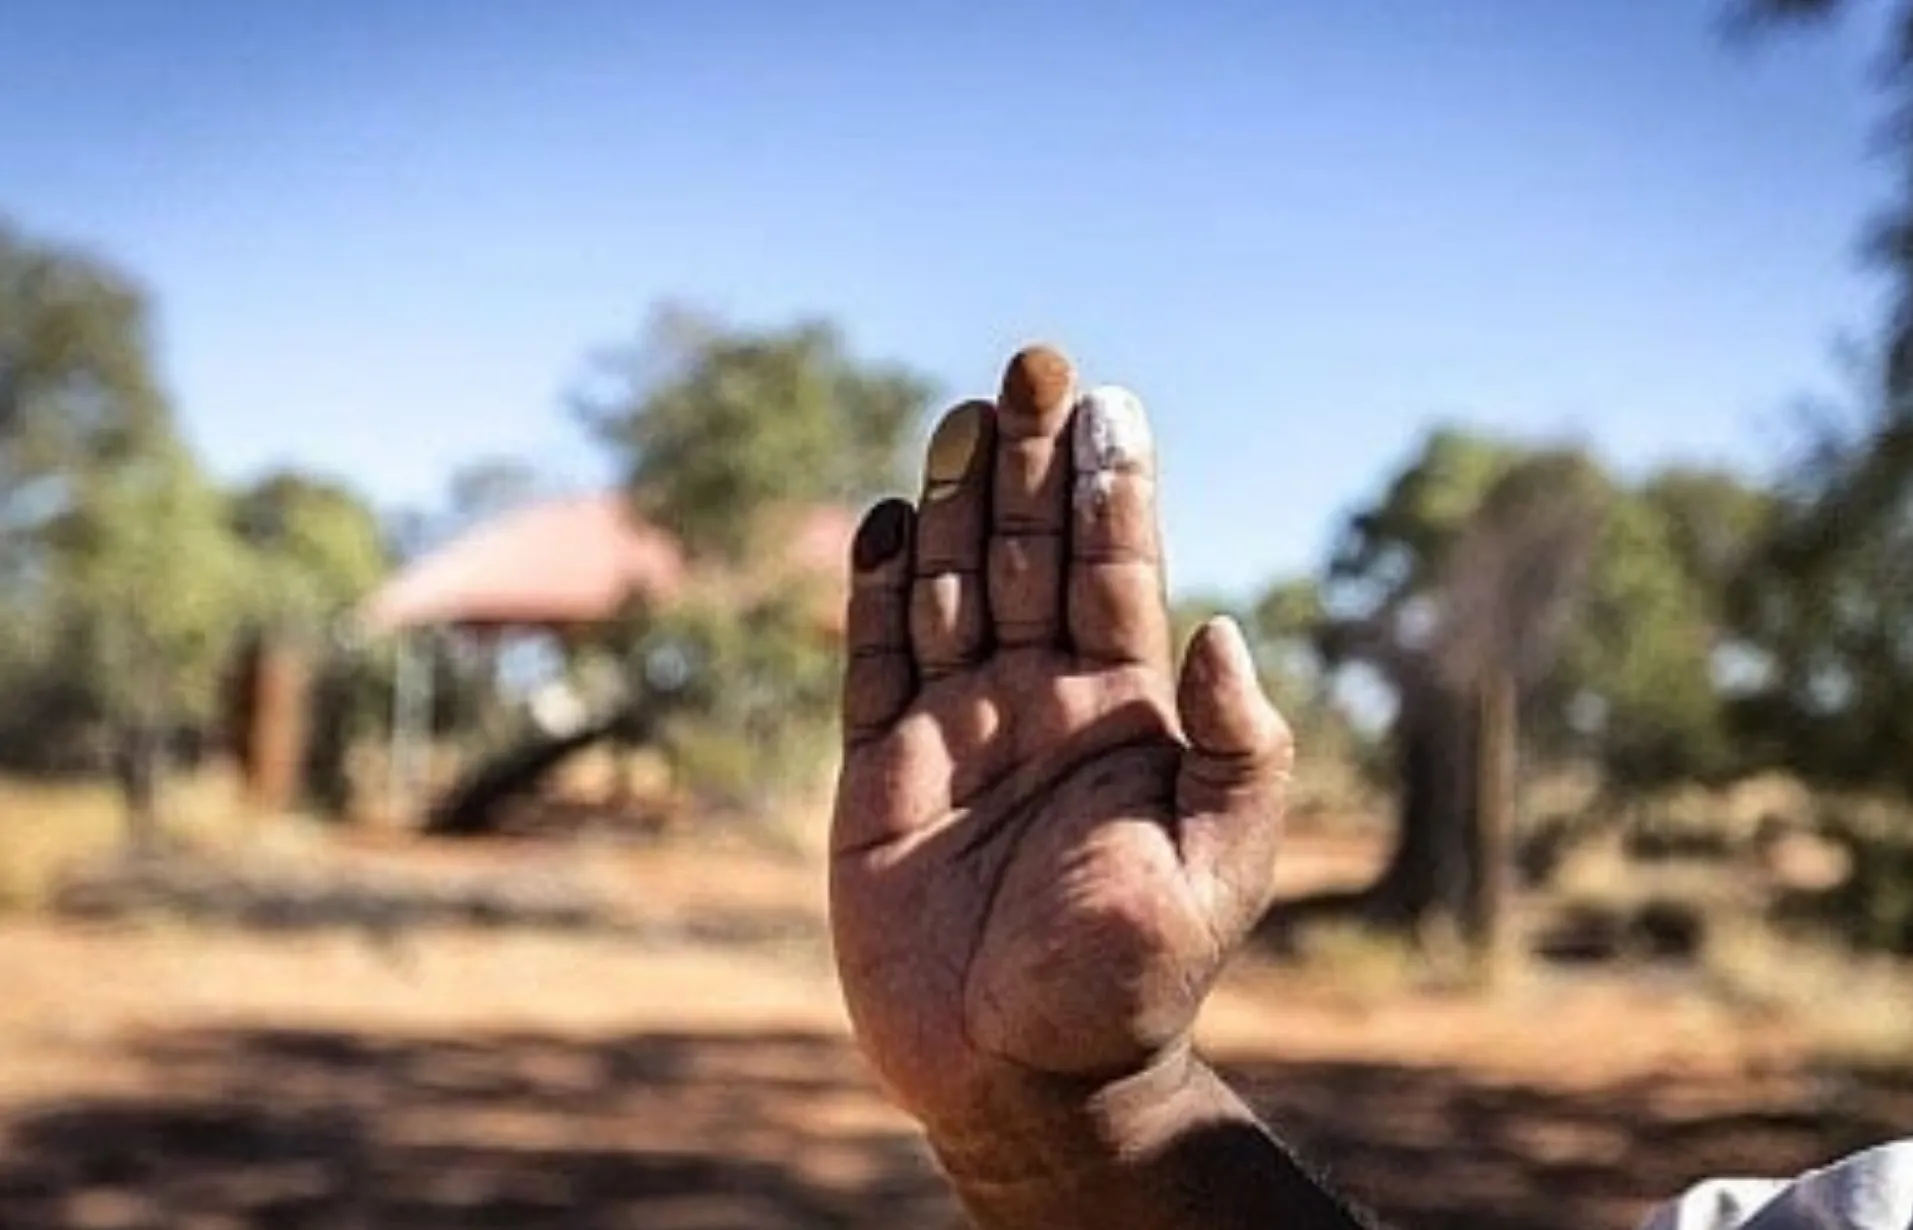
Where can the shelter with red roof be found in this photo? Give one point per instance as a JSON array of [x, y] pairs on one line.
[[563, 565]]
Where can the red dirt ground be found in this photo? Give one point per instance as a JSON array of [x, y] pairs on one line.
[[163, 1076]]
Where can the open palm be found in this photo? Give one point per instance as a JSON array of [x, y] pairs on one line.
[[1044, 847]]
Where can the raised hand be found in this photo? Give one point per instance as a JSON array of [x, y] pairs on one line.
[[1044, 844]]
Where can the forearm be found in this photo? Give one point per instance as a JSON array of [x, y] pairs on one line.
[[1170, 1149]]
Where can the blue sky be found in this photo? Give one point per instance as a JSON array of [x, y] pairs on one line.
[[384, 236]]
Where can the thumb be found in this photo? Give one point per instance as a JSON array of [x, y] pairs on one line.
[[1232, 788]]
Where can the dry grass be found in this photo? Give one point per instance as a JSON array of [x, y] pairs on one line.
[[1331, 793], [1735, 812], [46, 829], [1854, 1010], [1602, 873], [1366, 970]]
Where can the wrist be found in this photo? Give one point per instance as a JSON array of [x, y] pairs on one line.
[[1165, 1148], [1039, 1128]]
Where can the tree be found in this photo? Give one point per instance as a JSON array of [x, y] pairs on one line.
[[726, 434], [115, 547], [1641, 697], [718, 427], [1715, 522], [315, 546], [1825, 608], [1891, 238], [1826, 605], [76, 391], [1450, 586], [76, 380], [1522, 601], [742, 693], [313, 549], [148, 580]]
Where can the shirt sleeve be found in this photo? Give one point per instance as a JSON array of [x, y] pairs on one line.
[[1872, 1190]]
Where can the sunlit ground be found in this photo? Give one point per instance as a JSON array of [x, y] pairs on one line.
[[679, 1060]]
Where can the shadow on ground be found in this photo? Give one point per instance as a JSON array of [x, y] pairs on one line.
[[1435, 1149], [289, 1130]]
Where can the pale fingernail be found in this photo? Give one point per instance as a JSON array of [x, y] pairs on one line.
[[1112, 431], [1226, 634], [952, 447]]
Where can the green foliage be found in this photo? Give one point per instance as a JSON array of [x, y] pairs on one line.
[[76, 378], [1288, 612], [1515, 571], [148, 581], [1829, 600], [723, 432], [1392, 548], [748, 688], [1714, 523], [121, 572], [128, 576], [1626, 670], [314, 548], [1640, 656], [717, 426], [311, 549], [1828, 604]]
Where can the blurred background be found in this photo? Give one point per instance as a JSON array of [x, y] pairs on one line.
[[430, 436]]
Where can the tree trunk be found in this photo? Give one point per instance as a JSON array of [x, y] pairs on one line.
[[139, 762], [334, 726], [1495, 815], [1430, 879], [278, 678]]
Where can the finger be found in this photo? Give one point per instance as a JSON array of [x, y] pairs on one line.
[[1234, 780], [948, 622], [1030, 500], [1118, 610], [879, 676]]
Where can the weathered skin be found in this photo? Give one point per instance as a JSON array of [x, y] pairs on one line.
[[1045, 845]]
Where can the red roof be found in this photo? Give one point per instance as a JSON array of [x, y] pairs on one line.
[[569, 562]]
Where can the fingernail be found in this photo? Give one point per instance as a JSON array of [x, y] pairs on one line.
[[1038, 384], [952, 448], [884, 530], [1226, 635], [1112, 431]]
